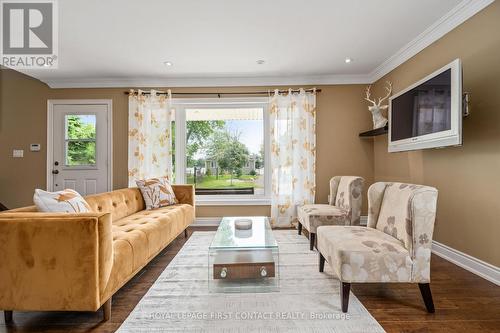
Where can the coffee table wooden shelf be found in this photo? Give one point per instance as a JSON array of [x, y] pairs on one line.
[[243, 260]]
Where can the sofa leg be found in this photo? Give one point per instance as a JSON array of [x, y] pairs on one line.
[[321, 262], [425, 290], [106, 308], [185, 233], [344, 295], [299, 226], [312, 238], [7, 316]]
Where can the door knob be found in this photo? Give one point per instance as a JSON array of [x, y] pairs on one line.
[[55, 172]]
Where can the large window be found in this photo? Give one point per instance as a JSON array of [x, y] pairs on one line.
[[221, 148]]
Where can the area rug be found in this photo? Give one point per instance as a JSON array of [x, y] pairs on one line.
[[308, 301]]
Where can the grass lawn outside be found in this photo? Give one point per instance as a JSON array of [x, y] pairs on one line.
[[224, 181]]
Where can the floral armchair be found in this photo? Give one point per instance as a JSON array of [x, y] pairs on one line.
[[394, 247], [343, 208]]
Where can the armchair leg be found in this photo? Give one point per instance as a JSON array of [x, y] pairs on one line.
[[185, 233], [344, 295], [7, 316], [106, 307], [425, 290], [299, 226], [312, 238], [321, 262]]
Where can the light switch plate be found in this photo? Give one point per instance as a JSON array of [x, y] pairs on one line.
[[35, 147], [18, 153]]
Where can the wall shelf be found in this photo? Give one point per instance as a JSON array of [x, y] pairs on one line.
[[374, 132]]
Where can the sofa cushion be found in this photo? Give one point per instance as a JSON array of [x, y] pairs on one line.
[[148, 231], [156, 192], [312, 216], [348, 186], [65, 201], [361, 254], [395, 212]]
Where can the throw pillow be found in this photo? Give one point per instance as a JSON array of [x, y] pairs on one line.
[[68, 201], [156, 192]]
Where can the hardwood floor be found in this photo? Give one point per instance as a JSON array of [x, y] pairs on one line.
[[464, 302]]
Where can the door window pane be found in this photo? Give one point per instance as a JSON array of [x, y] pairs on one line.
[[80, 153], [80, 126], [225, 150], [80, 137]]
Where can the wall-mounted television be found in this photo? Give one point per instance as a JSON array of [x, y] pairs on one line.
[[428, 114]]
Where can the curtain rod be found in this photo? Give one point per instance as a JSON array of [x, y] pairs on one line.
[[227, 93]]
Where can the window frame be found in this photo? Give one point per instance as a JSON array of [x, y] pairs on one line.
[[180, 105]]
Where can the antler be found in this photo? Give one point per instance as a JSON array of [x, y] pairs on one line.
[[389, 91], [368, 94]]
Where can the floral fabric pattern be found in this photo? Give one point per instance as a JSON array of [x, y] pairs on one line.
[[313, 216], [423, 217], [346, 192], [149, 144], [375, 253], [375, 196], [349, 196], [293, 154], [334, 186], [360, 254], [395, 217], [156, 193]]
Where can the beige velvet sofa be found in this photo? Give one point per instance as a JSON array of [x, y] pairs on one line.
[[76, 262]]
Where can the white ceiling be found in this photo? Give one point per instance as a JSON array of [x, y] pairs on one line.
[[217, 42]]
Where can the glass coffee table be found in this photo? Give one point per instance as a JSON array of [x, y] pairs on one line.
[[243, 260]]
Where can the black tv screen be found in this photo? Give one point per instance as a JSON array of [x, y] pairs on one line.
[[425, 109]]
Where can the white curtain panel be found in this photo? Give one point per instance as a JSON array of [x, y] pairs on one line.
[[149, 136], [293, 154]]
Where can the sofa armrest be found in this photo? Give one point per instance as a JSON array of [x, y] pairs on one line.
[[54, 261], [185, 194]]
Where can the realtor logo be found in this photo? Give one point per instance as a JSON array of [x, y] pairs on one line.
[[29, 34]]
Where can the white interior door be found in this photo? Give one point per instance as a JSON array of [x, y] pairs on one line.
[[80, 148]]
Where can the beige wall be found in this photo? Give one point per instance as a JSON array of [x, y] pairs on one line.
[[23, 113], [467, 177], [341, 115]]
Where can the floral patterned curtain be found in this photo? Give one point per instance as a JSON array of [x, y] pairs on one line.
[[149, 134], [293, 154]]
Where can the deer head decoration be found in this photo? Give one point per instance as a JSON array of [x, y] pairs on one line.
[[376, 108]]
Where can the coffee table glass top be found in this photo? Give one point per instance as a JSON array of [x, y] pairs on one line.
[[259, 236]]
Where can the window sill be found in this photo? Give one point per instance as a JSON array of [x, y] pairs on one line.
[[232, 201]]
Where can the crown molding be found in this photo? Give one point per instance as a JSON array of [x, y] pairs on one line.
[[207, 81], [458, 15]]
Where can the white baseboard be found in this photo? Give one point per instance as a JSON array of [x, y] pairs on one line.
[[467, 262], [207, 222]]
